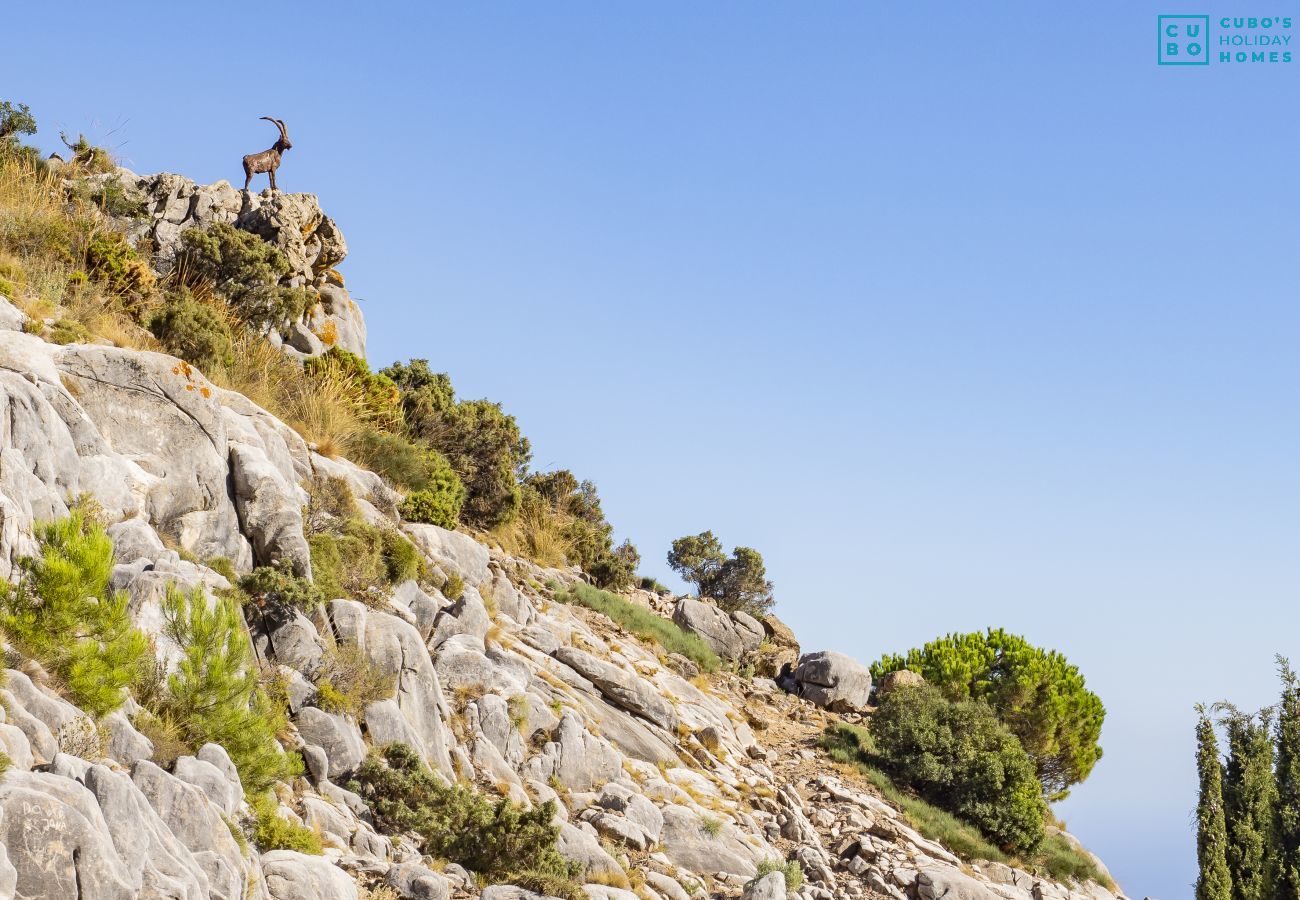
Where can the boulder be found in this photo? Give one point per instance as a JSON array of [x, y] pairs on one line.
[[770, 887], [416, 882], [270, 509], [621, 688], [296, 876], [893, 680], [452, 551], [339, 737], [834, 681], [732, 636]]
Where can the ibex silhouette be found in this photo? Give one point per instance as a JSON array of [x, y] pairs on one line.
[[268, 160]]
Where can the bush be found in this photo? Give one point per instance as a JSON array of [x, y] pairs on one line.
[[86, 156], [272, 832], [481, 442], [62, 613], [194, 331], [501, 841], [643, 623], [561, 523], [738, 583], [791, 869], [69, 331], [406, 463], [440, 506], [376, 398], [276, 587], [112, 260], [214, 696], [348, 681], [350, 557], [957, 755], [1036, 693], [454, 587], [245, 270]]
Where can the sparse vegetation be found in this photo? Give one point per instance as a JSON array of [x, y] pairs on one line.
[[501, 841], [348, 681], [271, 831], [352, 558], [277, 587], [791, 869], [643, 623]]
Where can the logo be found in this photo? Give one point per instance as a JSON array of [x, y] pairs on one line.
[[1183, 41]]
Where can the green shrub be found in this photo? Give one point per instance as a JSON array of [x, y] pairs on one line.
[[111, 197], [454, 587], [481, 442], [348, 681], [246, 271], [112, 260], [272, 832], [406, 463], [214, 694], [350, 557], [62, 613], [791, 869], [643, 623], [651, 584], [376, 398], [615, 569], [68, 331], [735, 583], [501, 841], [439, 507], [1038, 694], [194, 331], [277, 587], [1054, 856], [957, 755], [85, 155]]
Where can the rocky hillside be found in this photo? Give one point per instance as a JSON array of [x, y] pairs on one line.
[[667, 780]]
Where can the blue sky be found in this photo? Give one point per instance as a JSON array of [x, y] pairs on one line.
[[963, 315]]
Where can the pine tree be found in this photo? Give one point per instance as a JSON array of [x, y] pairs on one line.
[[1287, 735], [1213, 883], [1250, 804], [214, 695], [63, 613]]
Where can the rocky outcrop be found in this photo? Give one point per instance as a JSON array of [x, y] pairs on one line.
[[733, 635], [169, 205], [834, 681]]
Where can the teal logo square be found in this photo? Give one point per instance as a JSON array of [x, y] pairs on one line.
[[1183, 40]]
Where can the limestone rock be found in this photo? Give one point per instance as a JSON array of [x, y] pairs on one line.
[[770, 887], [834, 680], [732, 636]]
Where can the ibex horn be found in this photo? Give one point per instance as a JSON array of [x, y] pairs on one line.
[[278, 124]]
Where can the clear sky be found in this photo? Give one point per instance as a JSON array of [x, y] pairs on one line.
[[963, 314]]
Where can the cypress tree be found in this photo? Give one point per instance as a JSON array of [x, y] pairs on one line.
[[1287, 735], [1213, 882], [1250, 804]]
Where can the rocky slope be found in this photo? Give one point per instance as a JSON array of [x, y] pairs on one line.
[[667, 786]]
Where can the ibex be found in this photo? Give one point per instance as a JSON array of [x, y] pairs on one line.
[[268, 160]]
